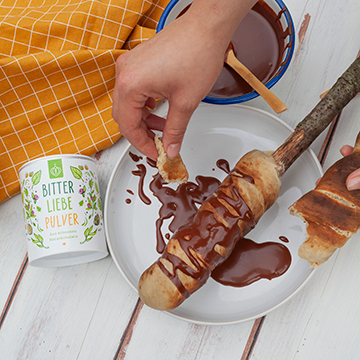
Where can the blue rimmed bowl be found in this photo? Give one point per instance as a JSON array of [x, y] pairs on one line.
[[281, 17]]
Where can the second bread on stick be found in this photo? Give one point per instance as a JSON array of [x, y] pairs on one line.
[[331, 211]]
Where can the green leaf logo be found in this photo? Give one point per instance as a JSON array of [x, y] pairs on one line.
[[76, 172], [36, 177]]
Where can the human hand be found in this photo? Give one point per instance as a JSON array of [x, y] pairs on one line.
[[155, 69], [353, 180], [180, 63]]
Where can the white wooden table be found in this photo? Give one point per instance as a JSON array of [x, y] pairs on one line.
[[90, 312]]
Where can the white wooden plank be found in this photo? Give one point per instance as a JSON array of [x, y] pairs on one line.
[[164, 337], [334, 321], [348, 128], [321, 322], [77, 312], [12, 245]]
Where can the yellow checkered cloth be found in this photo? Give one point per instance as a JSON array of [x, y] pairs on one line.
[[57, 73]]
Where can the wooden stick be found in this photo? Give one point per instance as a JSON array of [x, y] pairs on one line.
[[276, 104], [346, 88]]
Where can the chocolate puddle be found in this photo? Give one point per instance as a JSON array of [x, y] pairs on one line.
[[250, 262]]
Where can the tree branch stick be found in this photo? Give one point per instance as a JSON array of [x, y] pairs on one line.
[[346, 88]]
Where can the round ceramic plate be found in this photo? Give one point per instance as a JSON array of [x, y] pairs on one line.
[[215, 132]]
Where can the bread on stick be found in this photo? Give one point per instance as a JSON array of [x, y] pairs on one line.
[[331, 211], [224, 218]]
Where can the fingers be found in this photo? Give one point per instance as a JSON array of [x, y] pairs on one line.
[[154, 122], [136, 124], [353, 180], [175, 127], [151, 103], [346, 150], [140, 136], [131, 112]]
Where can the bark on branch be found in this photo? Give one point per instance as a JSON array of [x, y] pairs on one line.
[[346, 88]]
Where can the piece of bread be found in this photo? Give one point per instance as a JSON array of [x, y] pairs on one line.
[[171, 170], [224, 218], [331, 211]]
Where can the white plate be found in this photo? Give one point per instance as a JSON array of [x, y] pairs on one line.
[[214, 132]]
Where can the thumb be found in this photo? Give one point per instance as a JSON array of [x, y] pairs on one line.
[[175, 128]]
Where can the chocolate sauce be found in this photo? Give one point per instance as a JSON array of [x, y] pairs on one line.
[[284, 239], [135, 157], [248, 178], [207, 231], [250, 262], [223, 164], [198, 228], [258, 43], [151, 162], [141, 172], [180, 204]]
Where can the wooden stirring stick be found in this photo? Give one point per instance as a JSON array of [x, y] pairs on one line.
[[276, 104]]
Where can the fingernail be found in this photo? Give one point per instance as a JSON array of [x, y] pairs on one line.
[[353, 183], [173, 150]]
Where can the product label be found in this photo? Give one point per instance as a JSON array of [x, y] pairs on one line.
[[61, 204]]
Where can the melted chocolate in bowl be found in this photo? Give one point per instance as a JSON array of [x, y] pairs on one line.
[[259, 43], [248, 262]]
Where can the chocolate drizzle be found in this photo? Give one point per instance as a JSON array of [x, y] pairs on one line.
[[173, 277], [180, 204], [206, 228], [284, 239], [215, 224], [223, 164], [248, 178], [135, 157], [141, 172]]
